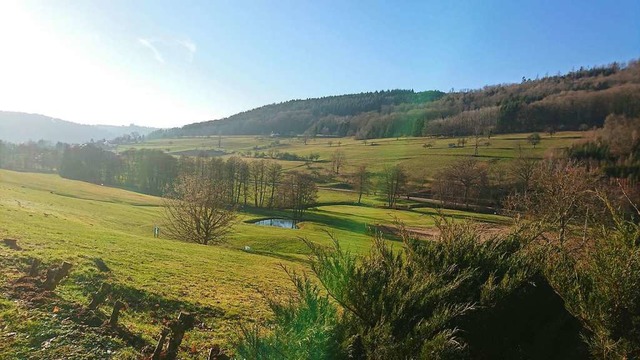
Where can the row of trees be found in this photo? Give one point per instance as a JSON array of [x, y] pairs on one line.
[[471, 183], [147, 171], [260, 183], [38, 156], [201, 205]]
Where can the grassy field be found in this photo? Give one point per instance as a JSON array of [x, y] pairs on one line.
[[57, 220], [376, 153]]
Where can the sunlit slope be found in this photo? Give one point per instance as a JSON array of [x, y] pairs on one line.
[[61, 220]]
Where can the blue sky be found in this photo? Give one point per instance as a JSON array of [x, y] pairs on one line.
[[168, 63]]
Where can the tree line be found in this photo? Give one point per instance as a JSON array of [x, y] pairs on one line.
[[257, 183], [40, 156]]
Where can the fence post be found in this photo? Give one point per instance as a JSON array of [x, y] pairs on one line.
[[113, 320], [158, 350], [98, 298], [33, 270], [185, 322], [55, 276]]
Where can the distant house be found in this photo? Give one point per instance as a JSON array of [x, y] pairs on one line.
[[274, 134]]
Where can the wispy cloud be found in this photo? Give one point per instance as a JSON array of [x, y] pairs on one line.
[[190, 46], [148, 43]]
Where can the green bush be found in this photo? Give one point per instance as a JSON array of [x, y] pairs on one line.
[[459, 296]]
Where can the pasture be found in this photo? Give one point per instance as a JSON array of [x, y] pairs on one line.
[[424, 156]]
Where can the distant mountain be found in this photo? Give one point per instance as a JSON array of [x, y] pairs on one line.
[[20, 127], [580, 99]]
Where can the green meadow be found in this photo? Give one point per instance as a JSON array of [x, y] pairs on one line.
[[57, 220], [376, 153]]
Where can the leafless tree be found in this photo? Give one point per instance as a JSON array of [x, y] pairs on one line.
[[621, 133], [196, 211], [561, 196], [274, 174], [297, 191], [462, 179], [259, 180], [392, 183], [522, 169], [338, 159], [361, 181]]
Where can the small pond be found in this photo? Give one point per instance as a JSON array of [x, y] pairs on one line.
[[282, 223]]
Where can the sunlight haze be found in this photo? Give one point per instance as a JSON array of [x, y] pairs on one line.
[[163, 64]]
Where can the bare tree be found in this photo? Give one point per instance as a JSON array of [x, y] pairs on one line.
[[561, 196], [522, 169], [337, 160], [361, 181], [392, 183], [196, 211], [298, 191], [477, 133], [465, 178], [621, 133], [259, 180], [274, 174]]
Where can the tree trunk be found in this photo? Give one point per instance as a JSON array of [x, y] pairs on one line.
[[216, 354]]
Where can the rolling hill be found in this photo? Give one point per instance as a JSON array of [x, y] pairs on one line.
[[18, 127]]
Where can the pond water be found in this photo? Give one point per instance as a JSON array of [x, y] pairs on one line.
[[282, 223]]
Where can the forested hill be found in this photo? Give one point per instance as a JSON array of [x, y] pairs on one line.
[[331, 115], [579, 99], [18, 127]]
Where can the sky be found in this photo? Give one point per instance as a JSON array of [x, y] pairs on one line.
[[169, 63]]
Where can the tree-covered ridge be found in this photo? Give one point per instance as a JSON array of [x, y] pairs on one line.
[[299, 116], [578, 99]]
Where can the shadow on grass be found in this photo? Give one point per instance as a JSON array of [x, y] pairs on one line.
[[72, 323], [138, 300]]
